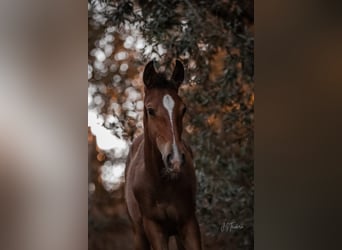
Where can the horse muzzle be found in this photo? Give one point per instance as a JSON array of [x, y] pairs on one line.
[[174, 162]]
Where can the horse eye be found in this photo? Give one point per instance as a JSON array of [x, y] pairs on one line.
[[151, 111], [184, 110]]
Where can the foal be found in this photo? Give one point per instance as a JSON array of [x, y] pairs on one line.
[[160, 178]]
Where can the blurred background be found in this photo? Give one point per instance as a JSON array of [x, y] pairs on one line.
[[215, 41], [43, 152]]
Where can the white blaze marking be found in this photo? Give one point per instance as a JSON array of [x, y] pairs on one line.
[[169, 104]]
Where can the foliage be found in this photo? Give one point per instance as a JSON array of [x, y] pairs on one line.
[[215, 41]]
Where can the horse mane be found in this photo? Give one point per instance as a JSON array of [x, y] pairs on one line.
[[161, 82]]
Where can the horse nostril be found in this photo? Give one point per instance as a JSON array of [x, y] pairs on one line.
[[168, 159], [183, 158]]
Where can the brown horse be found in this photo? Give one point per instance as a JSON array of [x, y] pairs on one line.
[[160, 178]]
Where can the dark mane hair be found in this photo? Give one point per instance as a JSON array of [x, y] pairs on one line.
[[153, 79], [161, 82]]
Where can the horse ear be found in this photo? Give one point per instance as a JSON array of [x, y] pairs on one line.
[[149, 75], [178, 73]]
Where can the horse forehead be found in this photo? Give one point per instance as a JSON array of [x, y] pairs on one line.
[[161, 97], [168, 102]]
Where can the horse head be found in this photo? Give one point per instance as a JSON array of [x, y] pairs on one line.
[[163, 115]]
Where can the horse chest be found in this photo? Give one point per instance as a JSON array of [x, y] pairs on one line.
[[171, 203], [167, 211], [169, 216]]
